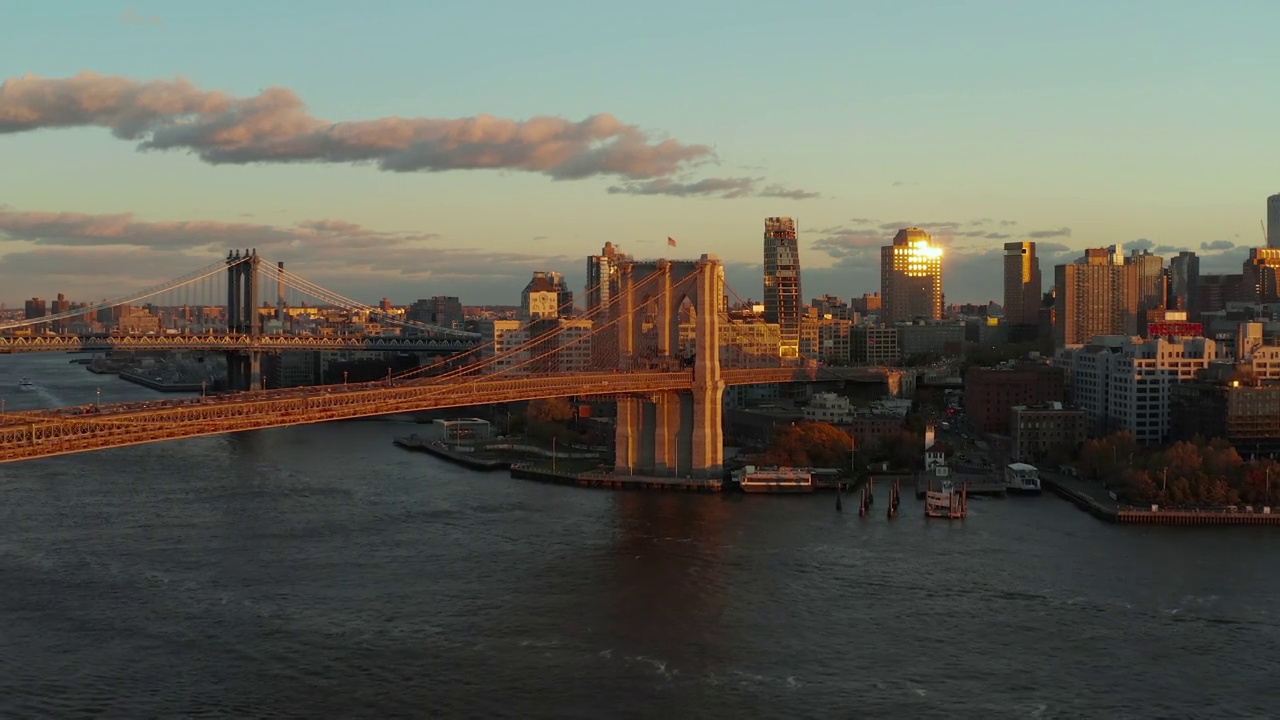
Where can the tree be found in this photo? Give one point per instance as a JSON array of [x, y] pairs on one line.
[[547, 410], [809, 444]]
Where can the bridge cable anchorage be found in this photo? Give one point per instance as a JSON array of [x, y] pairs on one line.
[[204, 272], [274, 273], [605, 308]]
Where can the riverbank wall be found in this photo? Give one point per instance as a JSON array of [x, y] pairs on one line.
[[156, 385], [1106, 509]]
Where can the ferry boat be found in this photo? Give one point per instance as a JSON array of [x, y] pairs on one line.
[[945, 502], [774, 480], [25, 384], [1021, 478]]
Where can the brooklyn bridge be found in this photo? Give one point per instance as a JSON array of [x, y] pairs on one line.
[[636, 351]]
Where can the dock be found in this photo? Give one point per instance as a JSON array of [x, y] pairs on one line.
[[413, 442], [977, 484], [616, 482]]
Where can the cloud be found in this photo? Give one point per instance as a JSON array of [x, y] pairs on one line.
[[95, 256], [1139, 244], [779, 191], [131, 17], [274, 126], [1217, 245], [123, 229], [1044, 234], [726, 188], [1167, 250], [1008, 223]]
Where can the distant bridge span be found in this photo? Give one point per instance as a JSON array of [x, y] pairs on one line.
[[230, 342]]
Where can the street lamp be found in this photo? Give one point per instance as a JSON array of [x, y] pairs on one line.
[[344, 377], [99, 403]]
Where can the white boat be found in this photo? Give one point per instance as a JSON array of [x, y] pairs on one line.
[[25, 384], [774, 480], [945, 502], [1021, 478]]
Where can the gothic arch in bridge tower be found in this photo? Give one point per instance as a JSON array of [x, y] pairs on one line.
[[671, 433]]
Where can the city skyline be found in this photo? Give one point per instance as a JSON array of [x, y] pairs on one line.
[[636, 153]]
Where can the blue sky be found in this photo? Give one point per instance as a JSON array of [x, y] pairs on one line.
[[1078, 124]]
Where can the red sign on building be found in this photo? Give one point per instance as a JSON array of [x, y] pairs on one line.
[[1193, 329]]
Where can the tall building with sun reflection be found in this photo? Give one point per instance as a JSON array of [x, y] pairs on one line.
[[911, 277]]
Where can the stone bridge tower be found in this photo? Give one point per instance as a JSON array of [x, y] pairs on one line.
[[673, 434]]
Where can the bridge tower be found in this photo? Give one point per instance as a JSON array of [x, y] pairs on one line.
[[244, 370], [676, 434]]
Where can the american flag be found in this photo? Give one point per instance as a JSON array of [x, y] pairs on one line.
[[671, 241]]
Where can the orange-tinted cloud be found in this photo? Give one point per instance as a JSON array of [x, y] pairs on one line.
[[275, 126]]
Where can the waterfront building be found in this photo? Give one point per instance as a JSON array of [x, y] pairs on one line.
[[782, 294], [1231, 404], [1041, 431], [990, 393], [1123, 383], [911, 277]]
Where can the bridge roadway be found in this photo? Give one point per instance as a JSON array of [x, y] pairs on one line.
[[230, 342], [62, 431]]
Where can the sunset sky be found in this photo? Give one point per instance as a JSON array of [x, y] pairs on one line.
[[408, 149]]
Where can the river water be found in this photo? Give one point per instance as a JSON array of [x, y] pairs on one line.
[[321, 572]]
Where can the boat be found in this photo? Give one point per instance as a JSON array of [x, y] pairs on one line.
[[25, 384], [946, 502], [774, 480], [1021, 478]]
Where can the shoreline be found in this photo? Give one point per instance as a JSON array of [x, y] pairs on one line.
[[1107, 510]]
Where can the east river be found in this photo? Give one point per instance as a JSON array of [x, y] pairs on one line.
[[318, 571]]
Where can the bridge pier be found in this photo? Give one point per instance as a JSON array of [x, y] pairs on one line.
[[672, 434]]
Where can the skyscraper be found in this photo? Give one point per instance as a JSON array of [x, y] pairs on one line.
[[1184, 281], [782, 298], [603, 286], [911, 277], [1262, 275], [1273, 221], [602, 276], [1095, 295], [1022, 284], [1150, 278]]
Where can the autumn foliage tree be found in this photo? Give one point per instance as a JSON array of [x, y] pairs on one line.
[[1185, 473], [809, 444], [546, 420]]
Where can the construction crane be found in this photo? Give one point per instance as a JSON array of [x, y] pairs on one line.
[[1263, 224]]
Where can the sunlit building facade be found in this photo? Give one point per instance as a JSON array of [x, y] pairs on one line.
[[911, 277], [782, 297]]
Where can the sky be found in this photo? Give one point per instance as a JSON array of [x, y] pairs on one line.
[[405, 149]]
